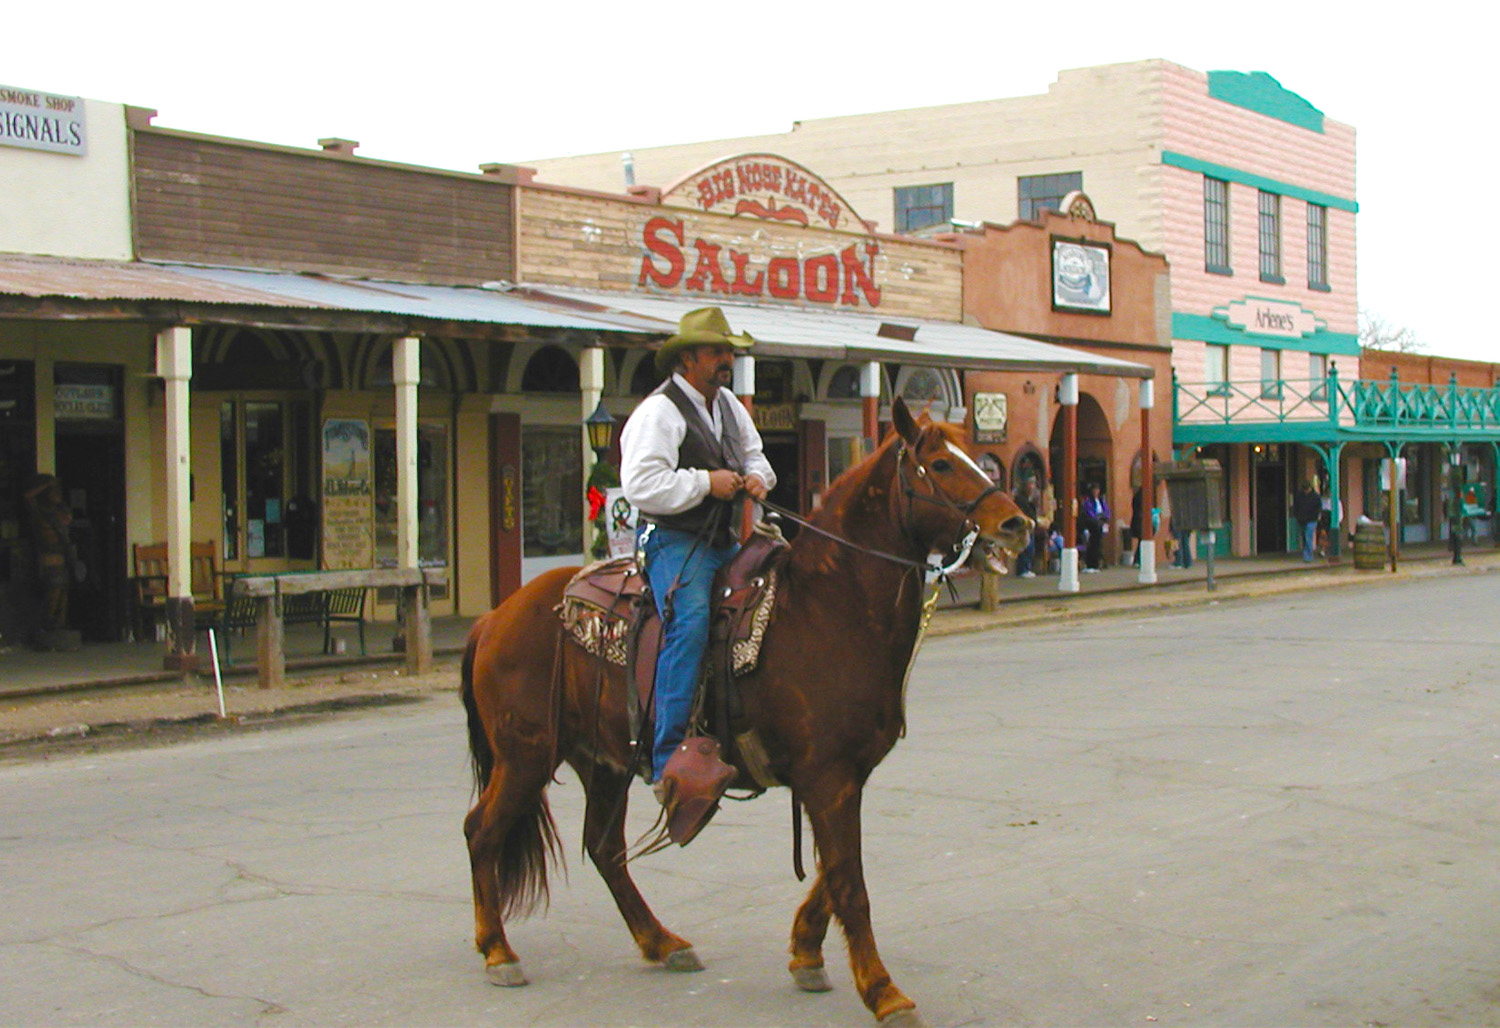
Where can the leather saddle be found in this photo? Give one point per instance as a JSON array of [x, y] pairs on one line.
[[608, 609]]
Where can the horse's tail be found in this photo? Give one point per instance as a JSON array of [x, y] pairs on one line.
[[521, 870], [481, 757]]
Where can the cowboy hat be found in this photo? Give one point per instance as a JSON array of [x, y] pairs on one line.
[[705, 326]]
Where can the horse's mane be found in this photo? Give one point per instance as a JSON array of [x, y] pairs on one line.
[[853, 481]]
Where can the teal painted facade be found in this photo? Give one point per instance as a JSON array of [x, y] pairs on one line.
[[1173, 159], [1256, 91]]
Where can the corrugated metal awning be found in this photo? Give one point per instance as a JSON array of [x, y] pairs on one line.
[[840, 335], [55, 278]]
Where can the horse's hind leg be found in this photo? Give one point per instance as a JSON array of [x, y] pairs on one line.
[[808, 931], [509, 833], [604, 836]]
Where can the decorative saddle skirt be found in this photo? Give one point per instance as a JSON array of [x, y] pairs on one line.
[[608, 609]]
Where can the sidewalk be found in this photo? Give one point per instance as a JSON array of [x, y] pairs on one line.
[[115, 690]]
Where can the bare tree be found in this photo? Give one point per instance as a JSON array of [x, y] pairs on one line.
[[1379, 333]]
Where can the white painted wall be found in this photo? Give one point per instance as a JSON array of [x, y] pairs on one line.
[[63, 205]]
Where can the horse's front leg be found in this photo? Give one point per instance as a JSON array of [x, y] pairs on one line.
[[833, 807]]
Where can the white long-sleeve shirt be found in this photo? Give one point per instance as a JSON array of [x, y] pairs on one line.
[[649, 449]]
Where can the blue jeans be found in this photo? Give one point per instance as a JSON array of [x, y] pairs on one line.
[[675, 557], [1184, 548], [1309, 541], [1025, 558]]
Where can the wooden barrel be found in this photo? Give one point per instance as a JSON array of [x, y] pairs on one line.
[[1369, 546]]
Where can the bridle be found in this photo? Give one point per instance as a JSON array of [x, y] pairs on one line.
[[962, 546]]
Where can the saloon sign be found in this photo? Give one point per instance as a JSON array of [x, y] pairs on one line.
[[766, 188]]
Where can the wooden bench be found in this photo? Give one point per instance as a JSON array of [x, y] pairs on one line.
[[150, 584], [323, 607], [274, 594]]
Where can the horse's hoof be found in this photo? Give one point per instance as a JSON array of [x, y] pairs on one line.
[[908, 1018], [683, 960], [508, 975], [812, 979]]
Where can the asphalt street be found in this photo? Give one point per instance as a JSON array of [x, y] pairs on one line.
[[1280, 811]]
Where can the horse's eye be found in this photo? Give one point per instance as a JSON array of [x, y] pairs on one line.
[[941, 465]]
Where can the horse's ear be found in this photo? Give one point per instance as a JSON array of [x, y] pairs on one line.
[[903, 422]]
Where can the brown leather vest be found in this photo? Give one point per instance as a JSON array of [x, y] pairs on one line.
[[700, 449]]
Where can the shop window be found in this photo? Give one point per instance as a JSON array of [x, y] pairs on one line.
[[919, 207], [551, 491], [1038, 193], [923, 386], [1270, 238], [1270, 374], [264, 471], [432, 496], [1216, 226], [1317, 246], [550, 370]]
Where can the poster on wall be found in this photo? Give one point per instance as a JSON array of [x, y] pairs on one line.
[[348, 495], [1080, 276]]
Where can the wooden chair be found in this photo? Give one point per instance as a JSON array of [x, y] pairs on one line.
[[150, 581]]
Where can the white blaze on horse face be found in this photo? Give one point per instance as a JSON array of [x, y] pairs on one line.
[[961, 455]]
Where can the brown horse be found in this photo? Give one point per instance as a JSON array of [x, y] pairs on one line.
[[826, 701]]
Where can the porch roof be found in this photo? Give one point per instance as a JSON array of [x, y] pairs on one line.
[[157, 289], [840, 335]]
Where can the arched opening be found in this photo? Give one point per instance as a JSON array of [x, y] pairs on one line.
[[550, 370]]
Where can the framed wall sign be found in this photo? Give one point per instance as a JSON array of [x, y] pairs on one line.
[[991, 414], [1080, 276]]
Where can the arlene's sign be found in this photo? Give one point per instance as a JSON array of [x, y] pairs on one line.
[[763, 186], [844, 278]]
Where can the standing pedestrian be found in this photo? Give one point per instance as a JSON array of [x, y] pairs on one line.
[[1307, 508], [1093, 519]]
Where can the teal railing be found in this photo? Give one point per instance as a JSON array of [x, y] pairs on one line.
[[1369, 403]]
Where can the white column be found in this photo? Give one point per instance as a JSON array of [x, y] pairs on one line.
[[744, 376], [174, 363], [1147, 574], [591, 389], [406, 372], [1067, 396]]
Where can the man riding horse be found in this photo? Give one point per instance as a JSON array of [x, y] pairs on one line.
[[686, 452]]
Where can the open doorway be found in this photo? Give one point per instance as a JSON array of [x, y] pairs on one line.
[[91, 467]]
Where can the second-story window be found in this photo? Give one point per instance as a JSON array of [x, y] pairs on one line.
[[1216, 226], [1216, 368], [1317, 246], [1270, 373], [917, 207], [1270, 238], [1038, 193], [1317, 374]]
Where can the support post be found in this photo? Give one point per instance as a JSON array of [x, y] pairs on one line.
[[1067, 395], [174, 363], [591, 391], [744, 390], [1146, 544], [406, 373], [869, 395], [417, 617], [270, 642]]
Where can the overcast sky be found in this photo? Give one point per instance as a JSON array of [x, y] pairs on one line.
[[457, 85]]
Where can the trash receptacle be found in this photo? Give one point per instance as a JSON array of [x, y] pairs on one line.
[[1369, 546]]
